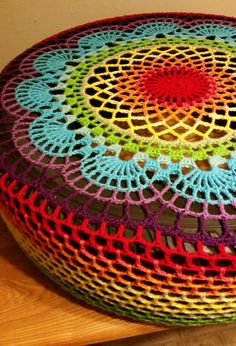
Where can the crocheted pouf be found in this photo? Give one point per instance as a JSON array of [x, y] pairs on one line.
[[118, 164]]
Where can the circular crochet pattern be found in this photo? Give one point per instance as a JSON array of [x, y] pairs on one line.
[[118, 164]]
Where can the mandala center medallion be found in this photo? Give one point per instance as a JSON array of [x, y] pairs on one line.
[[162, 92], [178, 86]]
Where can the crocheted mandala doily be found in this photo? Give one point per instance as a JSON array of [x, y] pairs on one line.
[[117, 165]]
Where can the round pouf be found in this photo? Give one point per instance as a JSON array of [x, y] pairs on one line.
[[117, 164]]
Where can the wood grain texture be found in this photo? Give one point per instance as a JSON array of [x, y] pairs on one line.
[[35, 312], [211, 335]]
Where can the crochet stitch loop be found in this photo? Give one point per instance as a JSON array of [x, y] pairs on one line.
[[118, 164]]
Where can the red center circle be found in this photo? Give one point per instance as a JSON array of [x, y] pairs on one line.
[[177, 86]]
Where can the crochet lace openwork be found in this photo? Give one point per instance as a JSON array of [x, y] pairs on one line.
[[118, 159]]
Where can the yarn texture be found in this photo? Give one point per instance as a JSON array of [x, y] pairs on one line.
[[118, 164]]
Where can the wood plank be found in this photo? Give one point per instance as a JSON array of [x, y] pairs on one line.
[[209, 335]]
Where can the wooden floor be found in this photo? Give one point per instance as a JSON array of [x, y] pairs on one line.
[[217, 335], [35, 312]]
